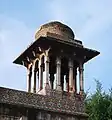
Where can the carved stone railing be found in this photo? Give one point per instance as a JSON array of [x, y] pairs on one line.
[[53, 101]]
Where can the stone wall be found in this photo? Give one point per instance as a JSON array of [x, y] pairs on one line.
[[37, 115], [61, 104]]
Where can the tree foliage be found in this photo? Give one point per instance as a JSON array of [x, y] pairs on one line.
[[99, 104]]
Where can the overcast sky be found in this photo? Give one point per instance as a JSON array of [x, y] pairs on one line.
[[91, 21]]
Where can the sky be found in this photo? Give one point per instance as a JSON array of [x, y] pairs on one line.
[[91, 21]]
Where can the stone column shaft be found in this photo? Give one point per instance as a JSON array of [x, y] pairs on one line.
[[40, 74], [70, 75], [58, 73], [46, 82], [81, 79], [29, 75], [35, 77]]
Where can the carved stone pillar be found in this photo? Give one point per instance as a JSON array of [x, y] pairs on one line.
[[58, 73], [40, 74], [46, 82], [35, 77], [70, 65], [29, 75], [81, 79]]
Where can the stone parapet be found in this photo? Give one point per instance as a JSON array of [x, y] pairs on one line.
[[55, 101]]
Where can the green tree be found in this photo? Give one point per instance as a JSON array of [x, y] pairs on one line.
[[99, 104]]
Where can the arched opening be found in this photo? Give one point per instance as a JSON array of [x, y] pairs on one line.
[[36, 76], [52, 72], [64, 74]]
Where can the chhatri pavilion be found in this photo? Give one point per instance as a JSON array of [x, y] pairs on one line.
[[55, 77]]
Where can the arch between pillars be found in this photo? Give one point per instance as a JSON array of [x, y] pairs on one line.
[[64, 72]]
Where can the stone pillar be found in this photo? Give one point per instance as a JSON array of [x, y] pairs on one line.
[[40, 74], [70, 65], [29, 75], [75, 79], [46, 82], [35, 77], [58, 73], [81, 79]]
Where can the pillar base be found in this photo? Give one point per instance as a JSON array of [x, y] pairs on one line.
[[71, 90], [47, 86], [45, 90], [81, 92], [59, 88], [42, 92]]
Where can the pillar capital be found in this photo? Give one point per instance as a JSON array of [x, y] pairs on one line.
[[70, 63], [58, 60], [81, 67], [28, 72], [47, 58]]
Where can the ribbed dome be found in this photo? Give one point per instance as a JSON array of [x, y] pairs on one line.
[[55, 28]]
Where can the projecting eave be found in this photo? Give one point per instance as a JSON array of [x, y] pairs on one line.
[[23, 55], [42, 41], [54, 42], [89, 54]]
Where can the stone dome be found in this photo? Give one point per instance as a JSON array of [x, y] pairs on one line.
[[55, 28]]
